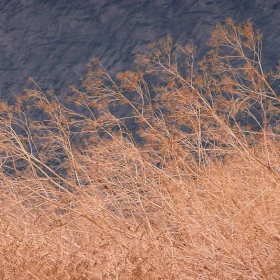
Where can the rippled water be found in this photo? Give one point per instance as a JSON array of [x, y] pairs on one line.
[[53, 40]]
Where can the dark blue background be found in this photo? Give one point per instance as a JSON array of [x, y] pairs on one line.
[[52, 41]]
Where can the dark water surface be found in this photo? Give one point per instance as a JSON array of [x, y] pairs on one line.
[[53, 40]]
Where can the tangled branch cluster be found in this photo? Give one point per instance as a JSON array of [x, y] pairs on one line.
[[192, 193]]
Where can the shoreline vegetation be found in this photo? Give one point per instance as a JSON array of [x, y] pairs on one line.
[[197, 196]]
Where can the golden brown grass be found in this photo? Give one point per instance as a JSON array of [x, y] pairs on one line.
[[197, 198]]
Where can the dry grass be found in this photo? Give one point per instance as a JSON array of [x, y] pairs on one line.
[[197, 198]]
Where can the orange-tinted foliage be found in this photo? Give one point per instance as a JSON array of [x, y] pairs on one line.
[[197, 196]]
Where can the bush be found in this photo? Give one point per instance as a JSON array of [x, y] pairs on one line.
[[196, 196]]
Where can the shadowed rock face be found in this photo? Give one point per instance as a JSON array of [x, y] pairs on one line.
[[52, 40]]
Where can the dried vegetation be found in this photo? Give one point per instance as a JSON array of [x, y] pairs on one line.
[[195, 197]]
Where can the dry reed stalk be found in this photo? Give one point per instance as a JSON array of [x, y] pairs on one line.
[[196, 198]]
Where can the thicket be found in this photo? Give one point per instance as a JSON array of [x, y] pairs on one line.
[[195, 197]]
